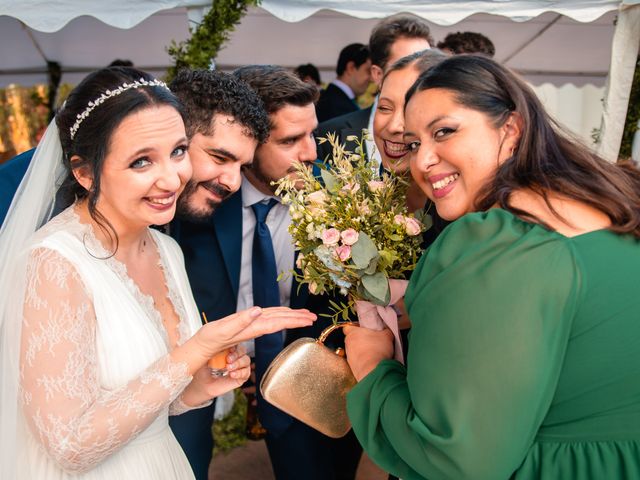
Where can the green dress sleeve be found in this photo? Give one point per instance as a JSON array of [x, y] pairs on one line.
[[491, 305]]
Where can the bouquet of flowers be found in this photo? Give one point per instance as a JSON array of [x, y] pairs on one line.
[[351, 227]]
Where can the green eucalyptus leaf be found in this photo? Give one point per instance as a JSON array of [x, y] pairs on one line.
[[427, 221], [377, 287], [363, 251], [373, 265], [328, 179]]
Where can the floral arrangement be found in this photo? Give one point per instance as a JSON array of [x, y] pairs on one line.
[[351, 227]]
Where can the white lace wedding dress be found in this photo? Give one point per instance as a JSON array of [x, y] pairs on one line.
[[97, 382]]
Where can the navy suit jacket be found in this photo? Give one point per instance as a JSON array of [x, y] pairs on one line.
[[333, 102], [11, 173]]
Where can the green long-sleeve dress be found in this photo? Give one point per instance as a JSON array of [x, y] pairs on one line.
[[524, 359]]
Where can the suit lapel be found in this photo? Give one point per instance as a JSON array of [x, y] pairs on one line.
[[354, 126], [299, 293], [227, 221]]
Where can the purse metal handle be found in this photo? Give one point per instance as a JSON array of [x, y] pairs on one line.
[[327, 331]]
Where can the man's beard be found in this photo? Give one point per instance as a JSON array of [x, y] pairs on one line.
[[186, 211], [258, 172]]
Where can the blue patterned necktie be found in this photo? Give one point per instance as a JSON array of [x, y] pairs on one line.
[[266, 294]]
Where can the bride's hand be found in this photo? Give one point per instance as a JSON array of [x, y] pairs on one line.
[[247, 324], [204, 386]]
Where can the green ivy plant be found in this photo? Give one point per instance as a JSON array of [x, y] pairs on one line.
[[209, 36], [633, 115]]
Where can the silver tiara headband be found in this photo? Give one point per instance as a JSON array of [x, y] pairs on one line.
[[112, 93]]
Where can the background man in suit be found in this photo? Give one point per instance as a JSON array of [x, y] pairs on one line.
[[225, 121], [220, 249], [354, 74], [391, 39]]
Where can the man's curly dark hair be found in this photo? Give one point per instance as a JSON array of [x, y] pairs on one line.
[[467, 42], [206, 93]]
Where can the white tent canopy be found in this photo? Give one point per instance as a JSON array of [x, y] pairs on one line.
[[557, 41]]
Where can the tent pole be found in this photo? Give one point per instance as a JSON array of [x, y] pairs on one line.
[[624, 55]]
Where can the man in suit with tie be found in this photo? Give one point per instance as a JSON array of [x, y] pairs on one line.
[[225, 121], [353, 76], [391, 39], [233, 256]]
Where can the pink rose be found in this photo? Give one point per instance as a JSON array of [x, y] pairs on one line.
[[316, 210], [351, 187], [399, 219], [375, 185], [331, 236], [343, 252], [412, 226], [317, 198], [349, 236]]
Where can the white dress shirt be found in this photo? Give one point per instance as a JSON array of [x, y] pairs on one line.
[[345, 88]]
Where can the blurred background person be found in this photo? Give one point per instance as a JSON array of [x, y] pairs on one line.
[[467, 42], [353, 76], [309, 73]]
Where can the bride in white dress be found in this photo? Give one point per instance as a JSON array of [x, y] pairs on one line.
[[101, 337]]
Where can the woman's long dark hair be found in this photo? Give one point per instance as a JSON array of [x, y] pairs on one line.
[[91, 142], [547, 160]]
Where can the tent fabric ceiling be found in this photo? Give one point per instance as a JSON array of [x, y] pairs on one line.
[[126, 14], [46, 16], [443, 13], [85, 35]]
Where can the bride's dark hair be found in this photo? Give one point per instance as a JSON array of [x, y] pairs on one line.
[[89, 141]]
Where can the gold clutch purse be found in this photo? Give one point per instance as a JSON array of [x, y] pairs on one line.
[[310, 382]]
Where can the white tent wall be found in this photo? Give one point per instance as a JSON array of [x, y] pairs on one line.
[[557, 42], [578, 109]]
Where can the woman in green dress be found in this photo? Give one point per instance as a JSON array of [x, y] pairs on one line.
[[524, 355]]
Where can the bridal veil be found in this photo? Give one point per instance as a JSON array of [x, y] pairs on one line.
[[32, 207]]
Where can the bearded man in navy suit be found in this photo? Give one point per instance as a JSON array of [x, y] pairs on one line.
[[225, 121], [216, 229]]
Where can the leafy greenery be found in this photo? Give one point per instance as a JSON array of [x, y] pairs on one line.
[[229, 432], [633, 115], [208, 37]]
